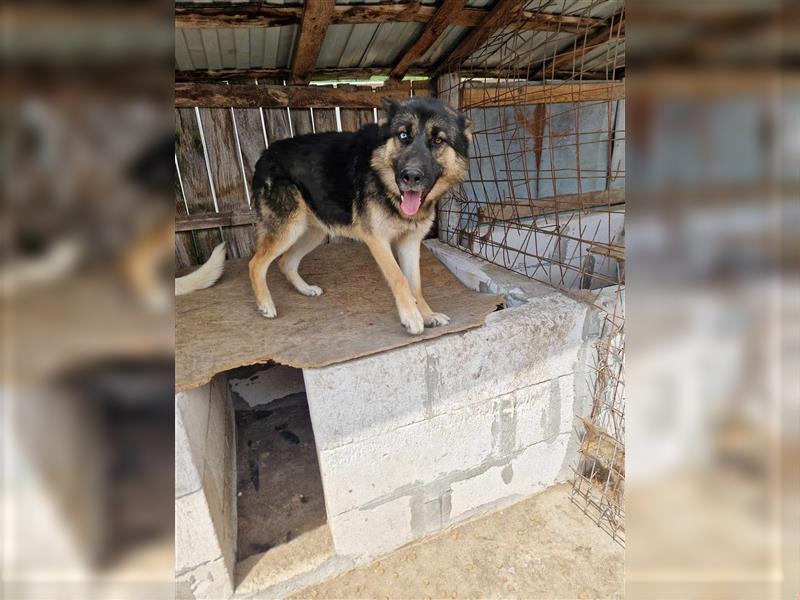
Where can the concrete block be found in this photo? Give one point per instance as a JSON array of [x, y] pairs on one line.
[[532, 470], [483, 489], [518, 347], [303, 554], [538, 410], [191, 422], [219, 480], [209, 580], [428, 512], [482, 276], [367, 532], [205, 505], [569, 404], [504, 428], [544, 410], [272, 383], [538, 466], [219, 446], [570, 461], [188, 474], [392, 464], [368, 396], [195, 537]]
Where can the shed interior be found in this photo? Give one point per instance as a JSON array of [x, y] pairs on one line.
[[543, 84]]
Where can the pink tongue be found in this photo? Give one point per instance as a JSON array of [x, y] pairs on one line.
[[411, 202]]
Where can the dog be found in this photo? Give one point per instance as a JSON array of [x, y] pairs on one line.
[[379, 185]]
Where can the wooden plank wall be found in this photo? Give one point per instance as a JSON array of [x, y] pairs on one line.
[[234, 141]]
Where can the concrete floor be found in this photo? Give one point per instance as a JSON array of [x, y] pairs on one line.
[[542, 547]]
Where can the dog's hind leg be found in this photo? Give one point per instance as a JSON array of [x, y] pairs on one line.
[[271, 246], [290, 261], [283, 221]]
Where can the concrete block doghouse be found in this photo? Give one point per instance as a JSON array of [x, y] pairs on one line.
[[409, 441]]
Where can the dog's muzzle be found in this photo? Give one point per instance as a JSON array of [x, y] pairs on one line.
[[410, 184]]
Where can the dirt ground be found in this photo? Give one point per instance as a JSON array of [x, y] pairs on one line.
[[542, 547], [279, 489]]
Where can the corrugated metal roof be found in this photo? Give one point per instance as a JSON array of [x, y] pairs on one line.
[[234, 48], [576, 8], [381, 45]]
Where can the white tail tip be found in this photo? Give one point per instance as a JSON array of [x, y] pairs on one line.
[[205, 275]]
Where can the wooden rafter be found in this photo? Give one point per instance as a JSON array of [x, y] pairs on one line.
[[240, 95], [255, 14], [614, 29], [577, 91], [536, 207], [433, 30], [317, 16], [243, 75], [357, 74], [502, 12]]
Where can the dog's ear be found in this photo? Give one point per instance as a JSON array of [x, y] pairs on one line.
[[389, 108], [467, 127]]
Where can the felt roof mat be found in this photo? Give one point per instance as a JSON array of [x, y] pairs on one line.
[[220, 328]]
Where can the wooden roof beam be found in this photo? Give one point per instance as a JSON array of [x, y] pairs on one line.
[[248, 75], [248, 95], [255, 14], [438, 24], [317, 16], [502, 12]]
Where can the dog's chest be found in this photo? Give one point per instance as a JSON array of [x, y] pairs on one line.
[[385, 225]]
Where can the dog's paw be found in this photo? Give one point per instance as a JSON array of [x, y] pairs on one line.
[[436, 320], [268, 310], [310, 290], [413, 322]]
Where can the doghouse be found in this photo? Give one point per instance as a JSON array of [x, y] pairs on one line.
[[329, 436]]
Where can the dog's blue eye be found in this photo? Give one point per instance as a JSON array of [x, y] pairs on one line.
[[403, 136]]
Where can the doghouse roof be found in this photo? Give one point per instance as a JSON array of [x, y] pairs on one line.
[[357, 39]]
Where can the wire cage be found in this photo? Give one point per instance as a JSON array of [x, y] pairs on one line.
[[546, 186], [545, 194], [599, 483]]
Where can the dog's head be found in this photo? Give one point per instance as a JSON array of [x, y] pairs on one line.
[[424, 152]]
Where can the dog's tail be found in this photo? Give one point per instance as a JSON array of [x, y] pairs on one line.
[[204, 276]]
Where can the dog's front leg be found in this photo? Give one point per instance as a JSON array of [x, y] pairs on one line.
[[408, 255], [407, 308]]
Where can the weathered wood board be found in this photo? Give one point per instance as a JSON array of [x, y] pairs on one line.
[[219, 328]]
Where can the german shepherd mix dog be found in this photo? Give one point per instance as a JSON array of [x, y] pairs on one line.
[[378, 185]]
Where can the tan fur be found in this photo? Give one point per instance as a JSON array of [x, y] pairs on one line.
[[410, 316], [454, 170], [270, 246], [141, 262], [383, 160]]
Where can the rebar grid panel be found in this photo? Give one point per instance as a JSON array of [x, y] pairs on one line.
[[545, 191], [599, 483]]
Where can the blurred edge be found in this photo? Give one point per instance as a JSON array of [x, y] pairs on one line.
[[86, 291], [713, 445], [714, 425]]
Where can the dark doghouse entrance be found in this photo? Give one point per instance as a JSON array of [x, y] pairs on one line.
[[279, 488]]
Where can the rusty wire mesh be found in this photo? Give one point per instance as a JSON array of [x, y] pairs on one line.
[[545, 191], [545, 194], [599, 483]]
